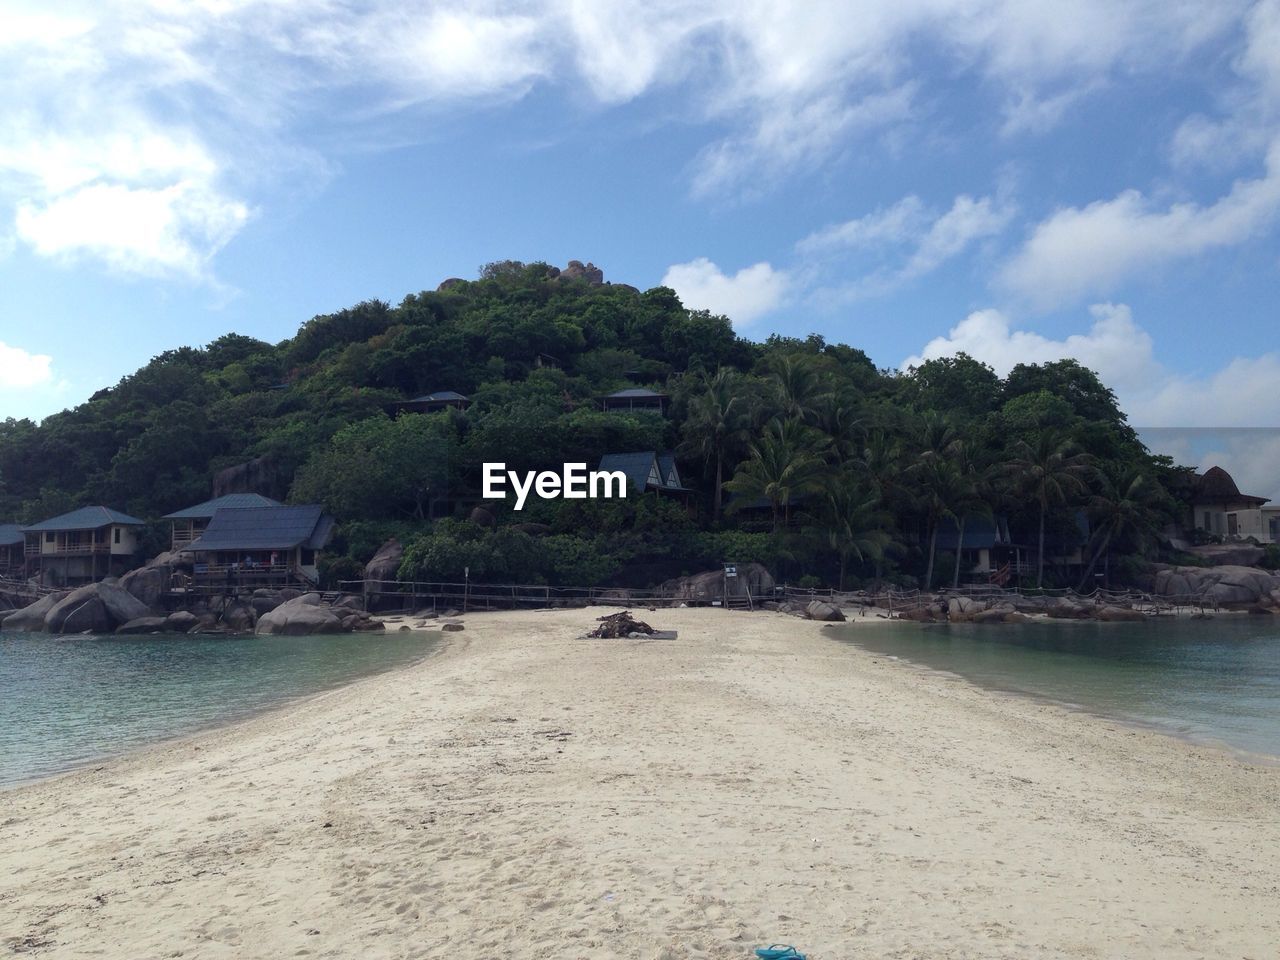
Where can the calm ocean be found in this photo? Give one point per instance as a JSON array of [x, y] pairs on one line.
[[65, 701], [1212, 680]]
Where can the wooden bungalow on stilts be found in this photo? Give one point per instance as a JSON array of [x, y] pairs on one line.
[[261, 546], [12, 560], [82, 546], [190, 523]]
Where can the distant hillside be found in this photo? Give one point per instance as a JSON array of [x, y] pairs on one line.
[[828, 463]]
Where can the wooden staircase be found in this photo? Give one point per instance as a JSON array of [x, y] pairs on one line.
[[746, 602]]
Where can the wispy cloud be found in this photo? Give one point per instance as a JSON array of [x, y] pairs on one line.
[[1085, 251], [184, 113], [914, 239]]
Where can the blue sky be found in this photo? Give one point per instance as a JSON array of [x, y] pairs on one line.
[[1021, 180]]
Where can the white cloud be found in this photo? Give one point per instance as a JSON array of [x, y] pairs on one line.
[[20, 370], [747, 295], [214, 99], [1077, 252], [919, 240], [173, 229], [1240, 394]]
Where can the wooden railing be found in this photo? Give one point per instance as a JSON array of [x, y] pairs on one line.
[[66, 549], [468, 595]]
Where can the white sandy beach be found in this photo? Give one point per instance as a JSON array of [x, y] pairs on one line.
[[526, 793]]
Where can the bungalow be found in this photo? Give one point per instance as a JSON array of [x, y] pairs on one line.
[[12, 561], [1218, 507], [190, 523], [432, 402], [632, 399], [649, 470], [268, 544], [991, 552], [82, 546]]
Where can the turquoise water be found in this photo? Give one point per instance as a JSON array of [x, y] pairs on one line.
[[1212, 680], [65, 701]]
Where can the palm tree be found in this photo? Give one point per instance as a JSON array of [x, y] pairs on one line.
[[716, 425], [839, 416], [784, 464], [1129, 509], [854, 524], [943, 492], [1051, 470], [974, 477], [799, 385]]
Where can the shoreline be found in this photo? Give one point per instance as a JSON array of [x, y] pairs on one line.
[[1076, 709], [405, 620], [520, 790], [226, 723]]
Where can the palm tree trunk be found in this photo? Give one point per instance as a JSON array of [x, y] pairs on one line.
[[1097, 554], [1040, 552], [955, 581], [719, 480], [933, 542]]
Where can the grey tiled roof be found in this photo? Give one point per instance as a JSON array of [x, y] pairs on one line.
[[637, 467], [86, 518], [10, 534], [239, 501], [266, 528]]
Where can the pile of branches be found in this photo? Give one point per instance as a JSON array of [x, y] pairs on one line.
[[618, 625]]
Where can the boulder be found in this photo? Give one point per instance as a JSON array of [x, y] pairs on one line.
[[300, 617], [451, 627], [58, 613], [239, 617], [963, 609], [821, 610], [261, 475], [1230, 586], [713, 585], [30, 619], [180, 621], [147, 584], [266, 604], [143, 625], [993, 615], [368, 626], [121, 605], [386, 562], [1114, 614], [1230, 554], [1067, 610], [482, 517], [577, 270], [89, 616]]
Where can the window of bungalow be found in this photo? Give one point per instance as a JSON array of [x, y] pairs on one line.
[[117, 535]]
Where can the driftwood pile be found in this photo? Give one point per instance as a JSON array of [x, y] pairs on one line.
[[619, 625]]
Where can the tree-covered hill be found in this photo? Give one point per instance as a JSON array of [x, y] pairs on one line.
[[832, 469]]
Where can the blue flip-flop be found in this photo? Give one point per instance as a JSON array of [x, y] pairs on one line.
[[779, 951]]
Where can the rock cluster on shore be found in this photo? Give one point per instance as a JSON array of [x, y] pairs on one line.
[[129, 606]]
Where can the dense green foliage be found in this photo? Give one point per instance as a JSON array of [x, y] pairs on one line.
[[833, 471]]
